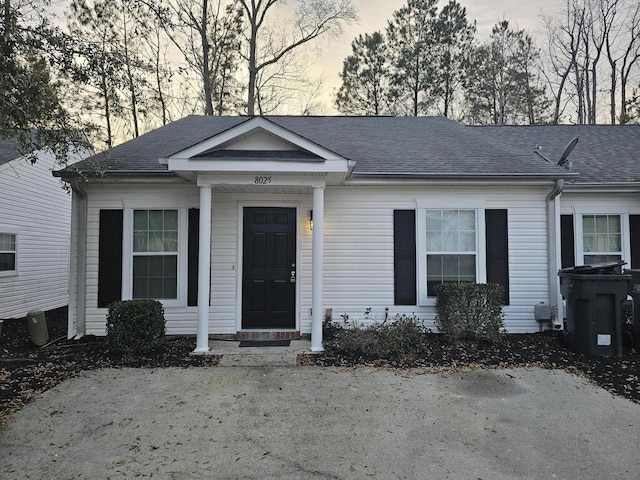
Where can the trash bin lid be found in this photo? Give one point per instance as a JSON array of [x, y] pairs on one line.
[[596, 268]]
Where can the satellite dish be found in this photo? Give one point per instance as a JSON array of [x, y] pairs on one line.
[[563, 162]]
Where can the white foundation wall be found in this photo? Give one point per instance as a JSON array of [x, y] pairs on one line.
[[35, 207], [358, 263]]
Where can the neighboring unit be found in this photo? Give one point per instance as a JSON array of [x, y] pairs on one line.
[[35, 226], [255, 226]]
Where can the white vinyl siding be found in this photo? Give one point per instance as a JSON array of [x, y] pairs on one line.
[[359, 247], [37, 210], [358, 250], [180, 319]]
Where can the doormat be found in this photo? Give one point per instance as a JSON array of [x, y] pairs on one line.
[[265, 343]]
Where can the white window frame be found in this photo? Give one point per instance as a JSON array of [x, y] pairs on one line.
[[421, 225], [127, 251], [579, 232], [11, 231]]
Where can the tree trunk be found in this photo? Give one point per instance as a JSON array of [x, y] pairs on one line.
[[107, 112], [253, 70], [163, 104], [614, 82], [131, 83], [206, 74]]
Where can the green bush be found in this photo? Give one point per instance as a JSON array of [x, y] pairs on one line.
[[135, 326], [399, 340], [470, 311]]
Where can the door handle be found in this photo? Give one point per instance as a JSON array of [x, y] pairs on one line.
[[293, 276]]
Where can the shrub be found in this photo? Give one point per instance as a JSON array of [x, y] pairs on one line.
[[135, 326], [470, 311], [400, 340]]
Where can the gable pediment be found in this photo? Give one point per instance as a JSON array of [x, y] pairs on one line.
[[257, 135], [257, 145]]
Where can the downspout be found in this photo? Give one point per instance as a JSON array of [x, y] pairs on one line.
[[555, 258], [78, 275], [557, 190]]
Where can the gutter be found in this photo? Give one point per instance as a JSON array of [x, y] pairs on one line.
[[78, 237]]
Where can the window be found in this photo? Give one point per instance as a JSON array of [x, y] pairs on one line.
[[451, 247], [155, 254], [7, 252], [601, 238]]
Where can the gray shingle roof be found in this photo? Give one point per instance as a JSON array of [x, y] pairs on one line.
[[605, 154], [412, 146], [8, 151]]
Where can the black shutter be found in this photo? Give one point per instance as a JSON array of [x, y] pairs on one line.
[[193, 244], [404, 257], [497, 244], [567, 241], [109, 257], [634, 238]]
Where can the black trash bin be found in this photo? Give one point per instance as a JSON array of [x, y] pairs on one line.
[[594, 296], [634, 292]]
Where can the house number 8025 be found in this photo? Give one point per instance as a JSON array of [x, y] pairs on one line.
[[262, 180]]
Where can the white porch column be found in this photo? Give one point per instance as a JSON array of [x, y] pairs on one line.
[[317, 261], [204, 270]]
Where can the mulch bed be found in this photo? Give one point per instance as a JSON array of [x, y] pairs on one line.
[[27, 370]]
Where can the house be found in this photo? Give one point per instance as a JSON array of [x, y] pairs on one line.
[[599, 219], [35, 225], [255, 226]]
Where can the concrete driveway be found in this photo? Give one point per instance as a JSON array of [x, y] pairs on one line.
[[322, 423]]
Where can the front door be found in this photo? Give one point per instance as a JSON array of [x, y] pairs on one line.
[[269, 268]]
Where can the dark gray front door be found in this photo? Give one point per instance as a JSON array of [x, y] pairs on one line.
[[269, 268]]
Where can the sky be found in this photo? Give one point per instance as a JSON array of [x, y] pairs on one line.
[[374, 15], [325, 62]]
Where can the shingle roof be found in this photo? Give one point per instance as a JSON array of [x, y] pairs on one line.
[[605, 154], [412, 146], [8, 151]]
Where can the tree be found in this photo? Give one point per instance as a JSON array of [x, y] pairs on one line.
[[99, 68], [283, 84], [633, 107], [455, 37], [623, 49], [209, 40], [589, 30], [31, 111], [366, 81], [314, 18], [155, 46], [564, 40], [424, 60], [411, 38], [503, 88]]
